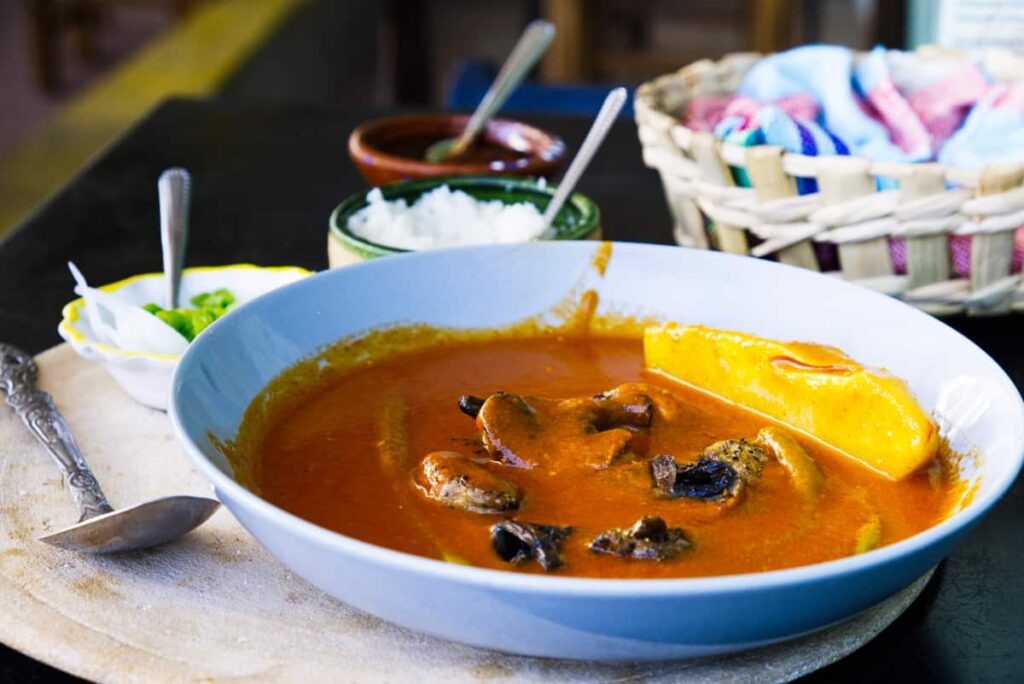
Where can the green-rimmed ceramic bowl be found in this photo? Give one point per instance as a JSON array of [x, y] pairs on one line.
[[579, 219]]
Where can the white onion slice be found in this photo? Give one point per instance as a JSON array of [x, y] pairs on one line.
[[126, 326]]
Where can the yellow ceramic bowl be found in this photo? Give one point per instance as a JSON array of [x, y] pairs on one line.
[[146, 377]]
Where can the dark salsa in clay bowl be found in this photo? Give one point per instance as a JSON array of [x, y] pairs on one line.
[[392, 149]]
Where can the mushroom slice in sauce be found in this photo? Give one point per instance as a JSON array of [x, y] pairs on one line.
[[510, 425], [470, 405], [595, 431], [719, 475], [626, 406], [707, 479], [746, 458], [516, 541], [650, 538], [454, 480]]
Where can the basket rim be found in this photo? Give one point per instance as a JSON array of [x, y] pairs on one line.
[[648, 112], [703, 180]]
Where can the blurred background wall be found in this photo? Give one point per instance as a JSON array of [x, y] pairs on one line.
[[75, 73]]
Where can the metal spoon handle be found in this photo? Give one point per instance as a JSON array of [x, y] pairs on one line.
[[174, 189], [18, 373], [605, 118], [524, 55]]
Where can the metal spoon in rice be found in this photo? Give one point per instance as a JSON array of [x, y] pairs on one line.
[[598, 131]]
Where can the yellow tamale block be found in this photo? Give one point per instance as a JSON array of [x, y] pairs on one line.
[[865, 413]]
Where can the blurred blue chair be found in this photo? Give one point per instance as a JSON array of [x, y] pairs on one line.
[[475, 77]]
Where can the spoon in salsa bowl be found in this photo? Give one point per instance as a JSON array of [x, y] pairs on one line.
[[100, 529], [531, 46]]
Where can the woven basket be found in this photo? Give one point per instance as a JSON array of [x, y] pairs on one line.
[[933, 206]]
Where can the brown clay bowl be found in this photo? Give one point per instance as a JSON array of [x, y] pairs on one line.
[[391, 149]]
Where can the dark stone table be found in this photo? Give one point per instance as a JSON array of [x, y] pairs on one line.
[[266, 178]]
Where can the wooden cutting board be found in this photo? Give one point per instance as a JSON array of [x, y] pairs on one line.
[[215, 606]]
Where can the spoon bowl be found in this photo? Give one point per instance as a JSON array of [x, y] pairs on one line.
[[139, 527], [443, 150]]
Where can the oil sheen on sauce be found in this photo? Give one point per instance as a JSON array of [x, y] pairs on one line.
[[341, 453]]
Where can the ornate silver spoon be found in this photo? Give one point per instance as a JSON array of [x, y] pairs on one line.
[[100, 529]]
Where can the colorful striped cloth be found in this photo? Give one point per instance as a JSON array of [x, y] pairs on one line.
[[885, 106], [770, 125], [921, 102]]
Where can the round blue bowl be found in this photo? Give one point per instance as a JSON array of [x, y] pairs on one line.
[[974, 401]]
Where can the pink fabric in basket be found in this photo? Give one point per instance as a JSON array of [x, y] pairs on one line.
[[960, 254], [705, 112], [887, 105], [921, 102], [943, 105]]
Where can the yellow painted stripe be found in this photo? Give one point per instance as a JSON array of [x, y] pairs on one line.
[[194, 58]]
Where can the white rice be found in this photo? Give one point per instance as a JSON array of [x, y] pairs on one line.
[[443, 218]]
